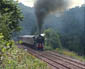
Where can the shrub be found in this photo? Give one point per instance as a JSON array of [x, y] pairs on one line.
[[52, 39], [19, 59]]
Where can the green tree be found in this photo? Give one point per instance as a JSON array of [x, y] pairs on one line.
[[10, 17], [53, 39]]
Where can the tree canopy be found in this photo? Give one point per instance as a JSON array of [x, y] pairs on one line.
[[10, 17]]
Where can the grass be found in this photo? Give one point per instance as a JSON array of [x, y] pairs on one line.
[[48, 48], [71, 54], [19, 59]]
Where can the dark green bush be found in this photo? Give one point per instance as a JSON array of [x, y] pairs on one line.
[[52, 39]]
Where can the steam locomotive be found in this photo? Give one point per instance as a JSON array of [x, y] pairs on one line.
[[33, 41]]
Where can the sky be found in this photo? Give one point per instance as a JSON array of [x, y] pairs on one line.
[[28, 2], [73, 3]]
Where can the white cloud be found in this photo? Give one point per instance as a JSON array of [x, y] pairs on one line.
[[27, 2], [76, 3], [73, 2]]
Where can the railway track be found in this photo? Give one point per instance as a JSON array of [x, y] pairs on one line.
[[55, 60], [65, 62], [68, 60]]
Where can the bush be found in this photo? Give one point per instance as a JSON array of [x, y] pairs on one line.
[[52, 39], [20, 59], [4, 47]]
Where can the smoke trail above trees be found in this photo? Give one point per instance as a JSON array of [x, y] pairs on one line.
[[44, 7]]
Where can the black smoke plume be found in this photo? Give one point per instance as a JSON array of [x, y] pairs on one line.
[[44, 7]]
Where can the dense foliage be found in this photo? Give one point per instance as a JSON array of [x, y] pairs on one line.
[[10, 17], [74, 30], [4, 47], [72, 42], [52, 39]]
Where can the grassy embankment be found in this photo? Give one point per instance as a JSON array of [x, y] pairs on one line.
[[67, 53], [17, 58], [70, 54]]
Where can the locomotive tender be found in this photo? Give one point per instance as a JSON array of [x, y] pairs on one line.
[[33, 41]]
